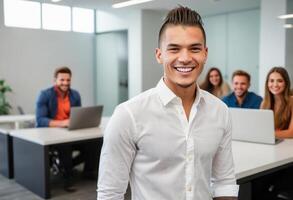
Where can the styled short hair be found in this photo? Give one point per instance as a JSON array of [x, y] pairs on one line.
[[241, 73], [64, 70], [182, 16]]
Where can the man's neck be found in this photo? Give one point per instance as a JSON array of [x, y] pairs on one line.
[[240, 100], [187, 95], [61, 93]]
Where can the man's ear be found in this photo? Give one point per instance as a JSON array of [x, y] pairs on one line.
[[206, 54], [158, 55]]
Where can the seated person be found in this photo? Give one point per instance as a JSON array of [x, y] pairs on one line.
[[215, 84], [277, 98], [53, 110], [241, 97]]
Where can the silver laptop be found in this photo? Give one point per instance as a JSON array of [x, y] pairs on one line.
[[85, 117], [253, 125]]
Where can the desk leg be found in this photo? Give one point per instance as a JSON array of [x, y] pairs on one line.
[[16, 125], [6, 156], [31, 166], [245, 191]]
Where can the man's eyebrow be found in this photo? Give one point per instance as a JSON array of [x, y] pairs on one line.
[[173, 45], [196, 45], [192, 45]]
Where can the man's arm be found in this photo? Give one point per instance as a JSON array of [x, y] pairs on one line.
[[223, 177], [59, 123], [117, 156], [42, 113]]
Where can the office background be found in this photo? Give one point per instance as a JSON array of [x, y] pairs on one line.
[[118, 61]]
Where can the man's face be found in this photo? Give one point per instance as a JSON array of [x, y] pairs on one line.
[[182, 53], [62, 81], [240, 85]]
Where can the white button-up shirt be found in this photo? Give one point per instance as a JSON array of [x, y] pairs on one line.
[[149, 142]]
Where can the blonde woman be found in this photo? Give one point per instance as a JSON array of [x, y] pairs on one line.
[[215, 84], [277, 98]]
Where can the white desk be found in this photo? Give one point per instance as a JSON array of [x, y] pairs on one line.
[[257, 160], [16, 119], [49, 136], [252, 158], [31, 153]]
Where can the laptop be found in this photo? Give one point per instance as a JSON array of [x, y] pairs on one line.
[[85, 117], [253, 125]]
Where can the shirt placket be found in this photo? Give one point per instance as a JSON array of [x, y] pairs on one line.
[[189, 167], [190, 157]]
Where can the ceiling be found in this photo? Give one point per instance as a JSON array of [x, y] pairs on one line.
[[204, 7]]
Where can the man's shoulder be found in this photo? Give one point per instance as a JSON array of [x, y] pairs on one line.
[[74, 92], [140, 102], [211, 99], [254, 95], [228, 97], [48, 91], [141, 98]]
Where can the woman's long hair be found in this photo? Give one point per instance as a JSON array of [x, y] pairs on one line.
[[207, 85], [282, 114]]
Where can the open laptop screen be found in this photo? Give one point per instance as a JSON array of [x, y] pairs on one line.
[[85, 117], [253, 125]]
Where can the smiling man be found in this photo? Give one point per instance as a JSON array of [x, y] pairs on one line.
[[241, 97], [173, 141], [53, 110]]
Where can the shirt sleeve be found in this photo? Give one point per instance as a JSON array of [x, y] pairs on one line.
[[42, 118], [117, 155], [223, 175]]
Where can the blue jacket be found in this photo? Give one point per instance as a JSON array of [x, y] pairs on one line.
[[47, 105], [251, 101]]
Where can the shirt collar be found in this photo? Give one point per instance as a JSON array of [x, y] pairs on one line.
[[167, 95]]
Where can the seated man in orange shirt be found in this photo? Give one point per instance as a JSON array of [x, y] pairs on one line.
[[53, 110]]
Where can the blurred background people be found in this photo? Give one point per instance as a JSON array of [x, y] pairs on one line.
[[241, 97], [277, 98], [215, 84]]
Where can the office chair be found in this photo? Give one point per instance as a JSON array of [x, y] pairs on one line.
[[25, 124], [285, 195], [54, 162]]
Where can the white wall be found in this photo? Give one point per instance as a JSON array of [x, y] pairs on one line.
[[233, 43], [289, 44], [28, 58], [216, 34], [129, 20], [151, 70], [243, 45], [272, 38]]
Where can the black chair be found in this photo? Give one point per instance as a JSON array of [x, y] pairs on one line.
[[285, 195]]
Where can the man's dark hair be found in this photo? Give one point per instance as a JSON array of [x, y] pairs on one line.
[[241, 73], [63, 70], [182, 16]]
